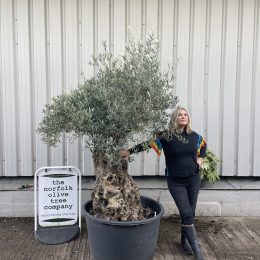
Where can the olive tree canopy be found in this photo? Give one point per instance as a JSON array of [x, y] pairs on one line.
[[128, 97]]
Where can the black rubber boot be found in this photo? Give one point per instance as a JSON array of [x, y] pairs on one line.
[[190, 234], [185, 244]]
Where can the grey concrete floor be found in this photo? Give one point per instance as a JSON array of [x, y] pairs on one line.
[[220, 238]]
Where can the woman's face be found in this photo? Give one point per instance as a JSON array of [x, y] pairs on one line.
[[182, 118]]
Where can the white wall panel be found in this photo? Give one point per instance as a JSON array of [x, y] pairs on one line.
[[134, 27], [119, 27], [103, 24], [40, 47], [24, 88], [10, 126], [245, 89], [198, 66], [256, 98], [152, 13], [55, 68], [183, 43], [135, 17], [86, 41], [151, 160], [228, 88], [167, 34], [86, 11], [46, 46], [70, 69], [214, 75], [1, 102]]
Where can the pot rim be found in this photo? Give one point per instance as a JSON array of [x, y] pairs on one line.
[[125, 223]]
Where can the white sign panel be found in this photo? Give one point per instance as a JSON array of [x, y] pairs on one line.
[[58, 197]]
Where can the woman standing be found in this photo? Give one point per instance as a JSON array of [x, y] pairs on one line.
[[184, 151]]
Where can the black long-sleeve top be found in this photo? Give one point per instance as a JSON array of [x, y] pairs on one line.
[[181, 152]]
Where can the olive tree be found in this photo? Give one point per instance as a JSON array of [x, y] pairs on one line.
[[128, 98]]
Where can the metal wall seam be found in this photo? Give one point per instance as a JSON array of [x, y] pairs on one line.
[[127, 20], [143, 34], [88, 35], [191, 47], [1, 99], [256, 131], [16, 87], [253, 94], [39, 79], [222, 77], [56, 80], [143, 19], [32, 84], [63, 73], [70, 55], [237, 89], [206, 69], [175, 42], [95, 30], [214, 64], [245, 87], [111, 27], [24, 86], [79, 78], [8, 91], [47, 63]]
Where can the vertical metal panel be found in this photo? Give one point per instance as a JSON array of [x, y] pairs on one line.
[[183, 43], [134, 20], [87, 42], [103, 22], [255, 170], [1, 99], [167, 32], [245, 89], [23, 88], [9, 127], [46, 46], [228, 86], [151, 160], [39, 46], [214, 74], [70, 63], [152, 16], [198, 66], [55, 67], [135, 17], [119, 27]]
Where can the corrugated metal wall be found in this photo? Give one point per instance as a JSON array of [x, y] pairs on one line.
[[46, 46]]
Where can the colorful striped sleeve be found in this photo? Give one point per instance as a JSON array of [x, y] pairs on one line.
[[154, 143], [201, 147], [157, 146]]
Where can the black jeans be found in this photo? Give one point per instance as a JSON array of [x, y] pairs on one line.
[[184, 191]]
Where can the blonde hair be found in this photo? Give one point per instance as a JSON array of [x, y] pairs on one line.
[[173, 124]]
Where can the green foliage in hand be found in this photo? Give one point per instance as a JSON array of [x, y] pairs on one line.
[[128, 97], [209, 167]]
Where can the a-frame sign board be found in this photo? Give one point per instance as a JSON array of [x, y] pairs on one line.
[[57, 203]]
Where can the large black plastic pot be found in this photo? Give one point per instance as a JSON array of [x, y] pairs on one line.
[[130, 240]]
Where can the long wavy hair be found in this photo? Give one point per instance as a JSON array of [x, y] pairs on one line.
[[173, 124]]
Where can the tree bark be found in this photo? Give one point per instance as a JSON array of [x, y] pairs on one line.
[[116, 195]]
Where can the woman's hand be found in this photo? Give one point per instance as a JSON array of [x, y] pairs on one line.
[[125, 154], [200, 161]]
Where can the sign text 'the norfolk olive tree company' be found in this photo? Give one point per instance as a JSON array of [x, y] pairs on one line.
[[58, 199]]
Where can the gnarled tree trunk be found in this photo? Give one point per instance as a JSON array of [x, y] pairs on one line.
[[116, 195]]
